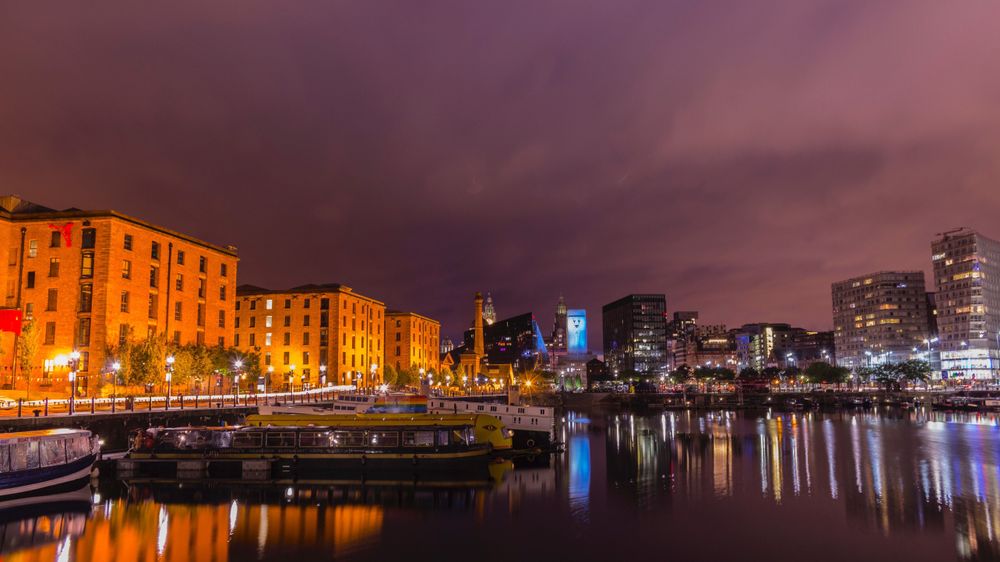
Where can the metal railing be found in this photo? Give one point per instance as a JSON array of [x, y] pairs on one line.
[[22, 408]]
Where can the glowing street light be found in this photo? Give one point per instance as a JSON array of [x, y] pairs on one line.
[[169, 376], [237, 367], [115, 367]]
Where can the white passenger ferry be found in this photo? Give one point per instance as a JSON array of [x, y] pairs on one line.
[[33, 462]]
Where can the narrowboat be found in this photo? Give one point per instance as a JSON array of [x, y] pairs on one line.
[[347, 448], [486, 428], [44, 461]]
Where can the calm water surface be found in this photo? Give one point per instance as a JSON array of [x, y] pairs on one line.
[[683, 486]]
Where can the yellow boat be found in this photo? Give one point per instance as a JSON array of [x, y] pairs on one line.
[[486, 429]]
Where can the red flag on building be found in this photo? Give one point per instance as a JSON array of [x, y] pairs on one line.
[[10, 320]]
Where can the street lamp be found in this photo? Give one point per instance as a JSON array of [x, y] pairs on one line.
[[270, 371], [74, 361], [115, 367], [374, 370], [237, 366], [322, 375], [291, 378], [169, 375]]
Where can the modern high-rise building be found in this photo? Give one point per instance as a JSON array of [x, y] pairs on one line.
[[557, 341], [313, 334], [576, 331], [412, 341], [880, 318], [635, 335], [967, 278], [515, 341], [90, 279], [762, 345]]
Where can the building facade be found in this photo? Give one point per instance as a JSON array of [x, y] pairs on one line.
[[312, 335], [89, 279], [413, 341], [880, 318], [967, 279], [516, 341], [635, 335]]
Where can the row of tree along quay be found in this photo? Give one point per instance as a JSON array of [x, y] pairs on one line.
[[889, 376], [137, 366]]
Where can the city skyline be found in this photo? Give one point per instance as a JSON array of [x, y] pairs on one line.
[[732, 157]]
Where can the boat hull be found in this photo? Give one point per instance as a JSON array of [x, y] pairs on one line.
[[63, 477], [319, 466]]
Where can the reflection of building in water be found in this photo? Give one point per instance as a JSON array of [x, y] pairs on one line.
[[127, 532], [41, 528], [638, 459], [888, 476]]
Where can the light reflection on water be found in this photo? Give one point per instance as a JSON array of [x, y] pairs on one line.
[[920, 486]]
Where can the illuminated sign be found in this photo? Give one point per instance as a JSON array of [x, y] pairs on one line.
[[576, 331]]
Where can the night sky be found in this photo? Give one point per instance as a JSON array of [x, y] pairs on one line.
[[737, 156]]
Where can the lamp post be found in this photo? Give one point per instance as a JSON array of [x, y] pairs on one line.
[[74, 362], [322, 375], [374, 372], [270, 371], [169, 376], [115, 367], [965, 360], [237, 366], [291, 378]]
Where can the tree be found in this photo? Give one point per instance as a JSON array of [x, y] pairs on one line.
[[389, 375], [771, 373], [864, 373], [407, 377], [749, 373], [27, 350], [193, 362], [914, 370], [822, 372], [146, 361], [681, 374]]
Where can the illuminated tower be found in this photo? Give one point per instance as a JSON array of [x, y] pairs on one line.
[[559, 328], [489, 313], [478, 347]]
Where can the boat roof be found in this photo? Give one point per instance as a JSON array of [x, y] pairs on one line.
[[363, 420], [45, 433]]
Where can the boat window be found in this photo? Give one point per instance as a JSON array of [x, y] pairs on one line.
[[443, 437], [74, 448], [4, 458], [199, 439], [383, 438], [348, 439], [462, 436], [281, 439], [24, 456], [314, 439], [248, 439], [53, 452], [418, 438]]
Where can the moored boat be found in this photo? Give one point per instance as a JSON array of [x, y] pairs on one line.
[[43, 461], [486, 428], [290, 446], [391, 403]]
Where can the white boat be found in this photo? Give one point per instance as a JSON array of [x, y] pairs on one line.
[[350, 403], [44, 461]]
